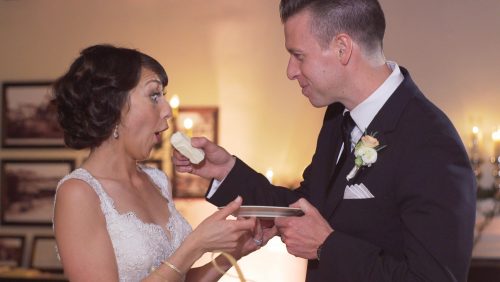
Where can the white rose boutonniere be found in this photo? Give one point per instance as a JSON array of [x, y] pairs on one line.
[[365, 153]]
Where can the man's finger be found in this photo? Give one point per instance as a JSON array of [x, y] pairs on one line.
[[200, 142], [304, 205], [186, 168], [178, 156], [281, 222]]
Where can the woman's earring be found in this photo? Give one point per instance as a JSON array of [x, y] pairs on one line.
[[115, 132]]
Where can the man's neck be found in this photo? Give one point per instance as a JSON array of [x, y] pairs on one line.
[[366, 78]]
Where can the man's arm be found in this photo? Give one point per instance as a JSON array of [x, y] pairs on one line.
[[254, 188]]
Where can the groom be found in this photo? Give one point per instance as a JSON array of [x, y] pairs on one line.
[[403, 211]]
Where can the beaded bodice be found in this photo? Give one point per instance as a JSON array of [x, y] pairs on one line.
[[138, 246]]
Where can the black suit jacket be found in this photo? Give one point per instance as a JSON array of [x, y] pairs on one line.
[[419, 225]]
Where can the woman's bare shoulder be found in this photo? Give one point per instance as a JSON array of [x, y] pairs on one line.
[[76, 193]]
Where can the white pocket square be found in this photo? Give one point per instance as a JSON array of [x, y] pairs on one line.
[[357, 191]]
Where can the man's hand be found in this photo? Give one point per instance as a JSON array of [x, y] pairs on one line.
[[217, 163], [303, 235]]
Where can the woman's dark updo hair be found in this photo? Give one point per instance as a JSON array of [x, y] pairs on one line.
[[92, 94]]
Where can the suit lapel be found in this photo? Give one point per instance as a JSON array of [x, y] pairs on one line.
[[337, 187], [330, 141], [384, 122]]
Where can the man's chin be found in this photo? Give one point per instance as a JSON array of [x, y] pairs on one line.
[[317, 104]]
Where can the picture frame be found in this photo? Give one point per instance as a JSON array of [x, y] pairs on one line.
[[28, 118], [204, 123], [28, 188], [11, 250], [44, 255]]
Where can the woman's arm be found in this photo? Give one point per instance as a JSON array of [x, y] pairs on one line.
[[82, 239], [214, 234], [87, 253], [263, 231]]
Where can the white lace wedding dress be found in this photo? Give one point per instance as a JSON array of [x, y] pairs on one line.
[[138, 246]]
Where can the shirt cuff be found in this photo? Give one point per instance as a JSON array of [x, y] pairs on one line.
[[215, 185]]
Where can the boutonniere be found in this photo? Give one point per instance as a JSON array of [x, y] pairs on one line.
[[365, 153]]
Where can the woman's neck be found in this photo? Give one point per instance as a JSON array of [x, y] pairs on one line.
[[110, 162]]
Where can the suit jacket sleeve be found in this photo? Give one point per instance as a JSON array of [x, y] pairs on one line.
[[253, 187], [256, 189]]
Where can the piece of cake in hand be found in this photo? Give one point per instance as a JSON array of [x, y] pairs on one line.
[[183, 144]]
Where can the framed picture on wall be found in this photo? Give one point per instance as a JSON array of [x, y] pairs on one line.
[[43, 254], [28, 119], [28, 188], [11, 250], [194, 121]]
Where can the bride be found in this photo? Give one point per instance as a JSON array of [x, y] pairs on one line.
[[114, 219]]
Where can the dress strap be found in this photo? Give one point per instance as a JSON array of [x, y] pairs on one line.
[[107, 204]]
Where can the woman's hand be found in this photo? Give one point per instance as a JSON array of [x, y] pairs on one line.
[[216, 233], [264, 230]]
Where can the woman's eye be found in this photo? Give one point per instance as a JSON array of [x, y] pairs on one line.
[[155, 97]]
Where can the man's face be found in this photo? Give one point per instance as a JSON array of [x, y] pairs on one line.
[[315, 67]]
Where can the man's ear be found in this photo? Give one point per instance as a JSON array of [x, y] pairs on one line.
[[342, 45]]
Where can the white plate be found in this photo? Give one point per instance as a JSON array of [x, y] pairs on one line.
[[268, 212]]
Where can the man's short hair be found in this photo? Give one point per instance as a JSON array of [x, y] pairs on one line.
[[363, 20]]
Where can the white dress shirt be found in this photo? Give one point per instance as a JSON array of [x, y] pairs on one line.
[[365, 112]]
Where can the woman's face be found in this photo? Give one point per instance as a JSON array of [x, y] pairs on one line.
[[144, 117]]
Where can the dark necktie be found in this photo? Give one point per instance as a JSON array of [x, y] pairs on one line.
[[346, 128]]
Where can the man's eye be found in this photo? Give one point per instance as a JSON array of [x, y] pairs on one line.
[[299, 57]]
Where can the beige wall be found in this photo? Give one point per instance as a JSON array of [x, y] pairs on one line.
[[230, 53]]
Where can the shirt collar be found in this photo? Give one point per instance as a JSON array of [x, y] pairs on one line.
[[364, 113]]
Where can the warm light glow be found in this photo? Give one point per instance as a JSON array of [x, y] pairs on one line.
[[475, 129], [496, 135], [188, 123], [496, 145], [269, 175], [174, 102]]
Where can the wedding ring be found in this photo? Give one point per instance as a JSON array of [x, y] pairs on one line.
[[257, 242]]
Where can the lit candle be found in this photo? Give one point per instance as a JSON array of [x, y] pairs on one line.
[[188, 125], [174, 103], [474, 146], [269, 175], [496, 144], [475, 135]]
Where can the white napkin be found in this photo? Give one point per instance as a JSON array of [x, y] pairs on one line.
[[357, 191]]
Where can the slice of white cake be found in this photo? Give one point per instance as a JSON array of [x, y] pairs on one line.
[[183, 144]]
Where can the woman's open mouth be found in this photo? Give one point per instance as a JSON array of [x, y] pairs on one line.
[[158, 135]]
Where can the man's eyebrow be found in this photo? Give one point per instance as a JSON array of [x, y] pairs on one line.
[[293, 50]]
